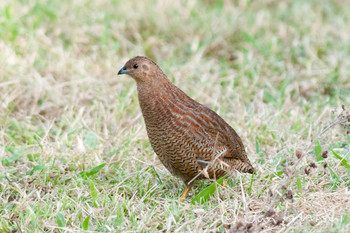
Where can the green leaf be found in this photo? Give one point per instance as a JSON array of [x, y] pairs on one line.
[[35, 168], [90, 139], [277, 173], [269, 98], [257, 146], [8, 11], [334, 175], [16, 154], [96, 169], [343, 161], [33, 157], [93, 190], [120, 214], [345, 221], [251, 184], [86, 223], [248, 38], [318, 151], [299, 187], [206, 193], [61, 222], [93, 171]]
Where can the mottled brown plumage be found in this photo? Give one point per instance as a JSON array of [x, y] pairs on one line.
[[186, 135]]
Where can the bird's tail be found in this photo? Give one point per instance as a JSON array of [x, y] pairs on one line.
[[238, 165]]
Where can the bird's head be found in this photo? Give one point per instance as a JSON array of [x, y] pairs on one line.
[[140, 68]]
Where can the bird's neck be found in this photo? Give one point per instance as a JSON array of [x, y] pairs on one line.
[[149, 93], [157, 98]]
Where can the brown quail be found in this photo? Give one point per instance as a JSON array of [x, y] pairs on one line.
[[191, 140]]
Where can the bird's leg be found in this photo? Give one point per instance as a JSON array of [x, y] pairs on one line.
[[185, 194], [224, 182]]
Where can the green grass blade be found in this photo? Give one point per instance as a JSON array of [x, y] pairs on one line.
[[16, 154], [93, 190], [86, 223], [334, 175], [299, 187], [251, 184], [269, 98], [61, 222], [318, 151], [343, 161], [93, 170], [35, 168], [206, 193]]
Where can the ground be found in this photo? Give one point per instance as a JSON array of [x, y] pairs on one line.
[[74, 153]]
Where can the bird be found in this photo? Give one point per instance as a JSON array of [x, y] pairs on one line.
[[191, 140]]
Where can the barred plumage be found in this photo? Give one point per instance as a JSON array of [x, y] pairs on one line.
[[188, 137]]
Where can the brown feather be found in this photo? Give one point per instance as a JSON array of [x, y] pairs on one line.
[[186, 135]]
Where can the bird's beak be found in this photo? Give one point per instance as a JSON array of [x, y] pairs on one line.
[[123, 71]]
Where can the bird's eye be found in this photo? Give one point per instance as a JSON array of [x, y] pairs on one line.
[[135, 66]]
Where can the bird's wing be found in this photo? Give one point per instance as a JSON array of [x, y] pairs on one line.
[[219, 135], [206, 131]]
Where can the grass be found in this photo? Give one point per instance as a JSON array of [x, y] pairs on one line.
[[73, 146]]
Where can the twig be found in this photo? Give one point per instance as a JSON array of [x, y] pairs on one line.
[[211, 163], [18, 227]]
